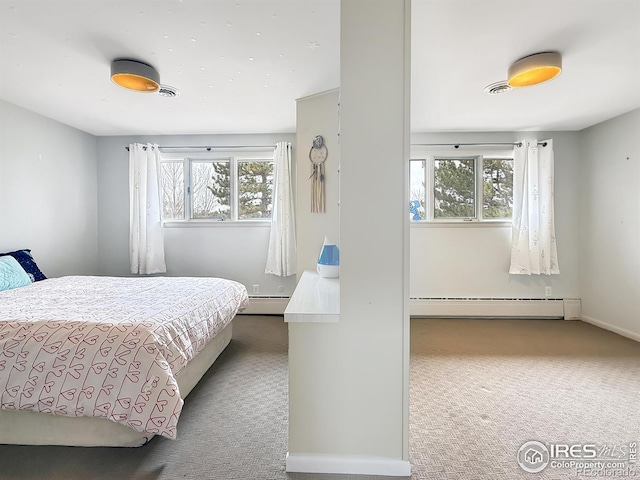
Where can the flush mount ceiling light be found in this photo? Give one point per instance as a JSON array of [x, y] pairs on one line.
[[534, 69], [135, 75]]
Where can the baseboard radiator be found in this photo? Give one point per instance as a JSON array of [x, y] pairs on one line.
[[569, 309]]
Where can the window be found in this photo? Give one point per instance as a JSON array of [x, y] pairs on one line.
[[210, 189], [454, 190], [461, 188], [218, 188], [172, 179], [255, 190], [497, 188]]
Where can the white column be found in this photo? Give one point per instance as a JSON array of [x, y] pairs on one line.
[[374, 225], [348, 384]]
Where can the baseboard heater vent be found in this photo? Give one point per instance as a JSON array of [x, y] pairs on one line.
[[266, 305], [495, 307], [569, 309]]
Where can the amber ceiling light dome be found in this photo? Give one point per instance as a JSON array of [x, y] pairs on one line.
[[534, 69], [135, 75]]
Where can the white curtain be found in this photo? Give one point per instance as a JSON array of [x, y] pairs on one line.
[[146, 243], [533, 240], [281, 257]]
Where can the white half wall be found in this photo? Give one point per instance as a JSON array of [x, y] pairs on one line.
[[48, 192], [473, 260], [609, 183], [230, 250]]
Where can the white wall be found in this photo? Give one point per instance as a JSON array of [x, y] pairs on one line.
[[473, 260], [48, 191], [609, 183], [316, 115], [238, 253]]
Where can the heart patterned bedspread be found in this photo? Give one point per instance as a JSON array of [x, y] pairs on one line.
[[109, 347]]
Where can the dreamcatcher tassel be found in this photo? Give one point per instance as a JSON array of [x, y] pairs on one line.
[[317, 188]]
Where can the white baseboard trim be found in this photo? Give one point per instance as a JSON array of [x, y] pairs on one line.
[[612, 328], [266, 306], [346, 464]]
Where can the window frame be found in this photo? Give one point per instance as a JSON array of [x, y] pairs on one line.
[[429, 158], [233, 157]]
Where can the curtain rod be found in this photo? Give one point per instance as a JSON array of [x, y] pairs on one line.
[[457, 145], [208, 148]]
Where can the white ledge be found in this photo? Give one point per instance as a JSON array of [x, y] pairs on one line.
[[315, 299]]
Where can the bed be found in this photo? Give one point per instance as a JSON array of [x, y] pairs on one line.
[[106, 361]]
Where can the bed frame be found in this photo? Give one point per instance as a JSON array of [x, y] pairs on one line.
[[31, 428]]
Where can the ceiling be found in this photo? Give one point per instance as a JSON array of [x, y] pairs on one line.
[[240, 64]]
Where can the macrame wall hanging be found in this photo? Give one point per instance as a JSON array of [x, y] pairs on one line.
[[317, 156]]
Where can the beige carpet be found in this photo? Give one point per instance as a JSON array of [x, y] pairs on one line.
[[479, 389]]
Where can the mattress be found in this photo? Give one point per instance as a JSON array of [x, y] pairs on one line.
[[109, 347]]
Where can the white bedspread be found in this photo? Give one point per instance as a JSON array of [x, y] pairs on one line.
[[109, 347]]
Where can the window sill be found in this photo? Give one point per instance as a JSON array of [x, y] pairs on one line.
[[217, 224], [458, 224]]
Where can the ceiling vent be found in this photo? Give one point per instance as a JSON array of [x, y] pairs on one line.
[[493, 89], [168, 91]]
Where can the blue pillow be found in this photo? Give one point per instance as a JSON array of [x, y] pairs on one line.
[[12, 275], [25, 259]]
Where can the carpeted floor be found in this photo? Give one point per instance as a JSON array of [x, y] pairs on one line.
[[479, 389]]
